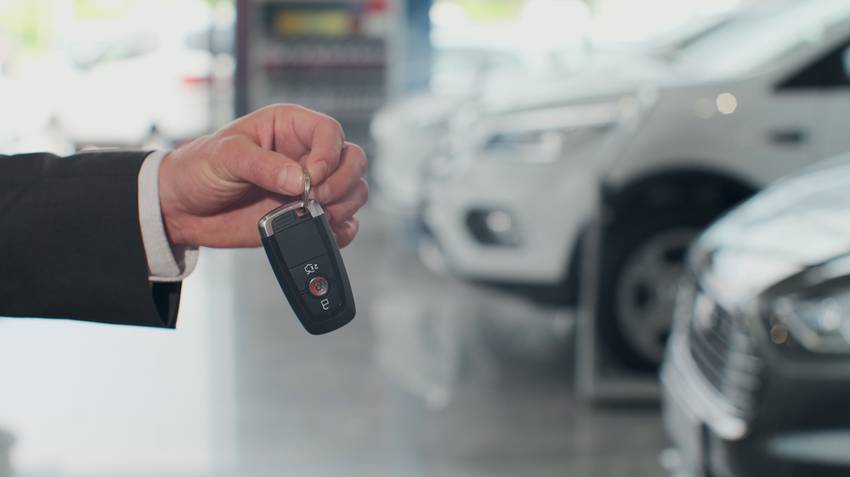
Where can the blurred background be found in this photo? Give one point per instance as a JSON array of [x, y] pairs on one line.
[[539, 170]]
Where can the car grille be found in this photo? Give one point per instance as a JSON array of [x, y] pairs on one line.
[[724, 353]]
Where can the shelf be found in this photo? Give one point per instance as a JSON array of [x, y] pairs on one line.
[[345, 76], [310, 2], [273, 66]]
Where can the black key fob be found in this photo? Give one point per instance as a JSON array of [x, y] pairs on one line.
[[306, 260]]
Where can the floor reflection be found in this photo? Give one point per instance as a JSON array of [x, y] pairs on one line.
[[7, 440], [433, 378]]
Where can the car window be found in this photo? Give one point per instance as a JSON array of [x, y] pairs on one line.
[[830, 71], [761, 35]]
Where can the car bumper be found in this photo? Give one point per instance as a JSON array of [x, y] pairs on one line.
[[547, 204], [712, 441], [689, 411], [397, 174]]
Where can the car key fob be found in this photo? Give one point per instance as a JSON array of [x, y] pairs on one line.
[[306, 260]]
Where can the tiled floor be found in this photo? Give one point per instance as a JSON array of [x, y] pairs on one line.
[[434, 378]]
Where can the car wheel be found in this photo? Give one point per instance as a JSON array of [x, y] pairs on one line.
[[641, 266]]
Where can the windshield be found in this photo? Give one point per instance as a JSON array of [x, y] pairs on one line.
[[758, 36]]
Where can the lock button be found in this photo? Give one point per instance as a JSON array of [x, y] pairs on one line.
[[304, 273]]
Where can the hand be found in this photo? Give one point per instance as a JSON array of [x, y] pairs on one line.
[[214, 190]]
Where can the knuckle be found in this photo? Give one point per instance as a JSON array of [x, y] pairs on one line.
[[257, 169], [229, 144], [284, 107], [323, 193], [356, 151], [327, 156], [280, 111], [236, 147], [358, 156], [270, 110], [228, 150], [356, 148], [334, 126], [363, 188], [324, 168], [362, 165]]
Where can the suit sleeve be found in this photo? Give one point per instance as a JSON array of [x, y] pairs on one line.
[[71, 244]]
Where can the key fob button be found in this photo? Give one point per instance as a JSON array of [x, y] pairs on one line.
[[306, 261], [318, 286], [323, 306], [305, 272]]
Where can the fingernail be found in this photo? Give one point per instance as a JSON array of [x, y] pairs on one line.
[[320, 193], [291, 180], [319, 170]]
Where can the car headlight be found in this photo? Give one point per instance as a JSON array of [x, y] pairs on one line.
[[539, 146], [818, 322], [546, 135]]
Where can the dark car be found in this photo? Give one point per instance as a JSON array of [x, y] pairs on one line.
[[756, 379]]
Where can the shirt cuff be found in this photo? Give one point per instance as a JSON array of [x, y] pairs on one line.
[[165, 263]]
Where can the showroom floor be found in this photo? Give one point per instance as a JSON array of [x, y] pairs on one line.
[[433, 378]]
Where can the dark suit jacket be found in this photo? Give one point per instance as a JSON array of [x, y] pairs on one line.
[[71, 244]]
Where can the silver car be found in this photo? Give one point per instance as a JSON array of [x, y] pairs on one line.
[[757, 375]]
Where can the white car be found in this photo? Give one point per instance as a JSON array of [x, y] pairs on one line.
[[26, 124], [129, 88], [411, 131], [753, 100]]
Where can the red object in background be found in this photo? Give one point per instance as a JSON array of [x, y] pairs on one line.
[[190, 80], [377, 6]]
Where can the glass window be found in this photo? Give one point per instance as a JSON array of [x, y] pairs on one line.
[[830, 71], [761, 35]]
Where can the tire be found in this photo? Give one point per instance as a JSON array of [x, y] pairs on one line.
[[642, 261]]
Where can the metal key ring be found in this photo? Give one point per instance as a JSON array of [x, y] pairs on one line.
[[308, 185]]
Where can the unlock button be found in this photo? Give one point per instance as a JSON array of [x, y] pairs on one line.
[[323, 306]]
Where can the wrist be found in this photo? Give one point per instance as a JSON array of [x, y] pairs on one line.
[[169, 203]]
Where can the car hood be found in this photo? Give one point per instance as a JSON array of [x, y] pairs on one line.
[[509, 94], [798, 223], [415, 112]]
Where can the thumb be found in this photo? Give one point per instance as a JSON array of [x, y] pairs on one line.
[[269, 170]]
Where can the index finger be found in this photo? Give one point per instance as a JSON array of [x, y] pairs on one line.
[[314, 139], [326, 144], [269, 170]]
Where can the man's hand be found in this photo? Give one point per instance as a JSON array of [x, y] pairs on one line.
[[214, 190]]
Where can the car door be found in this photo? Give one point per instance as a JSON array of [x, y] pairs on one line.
[[827, 80]]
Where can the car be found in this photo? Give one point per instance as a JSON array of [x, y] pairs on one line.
[[26, 123], [411, 131], [124, 86], [757, 372], [668, 149]]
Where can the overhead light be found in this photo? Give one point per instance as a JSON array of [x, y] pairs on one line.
[[727, 103]]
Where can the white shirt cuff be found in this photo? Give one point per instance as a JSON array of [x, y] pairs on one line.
[[165, 263]]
